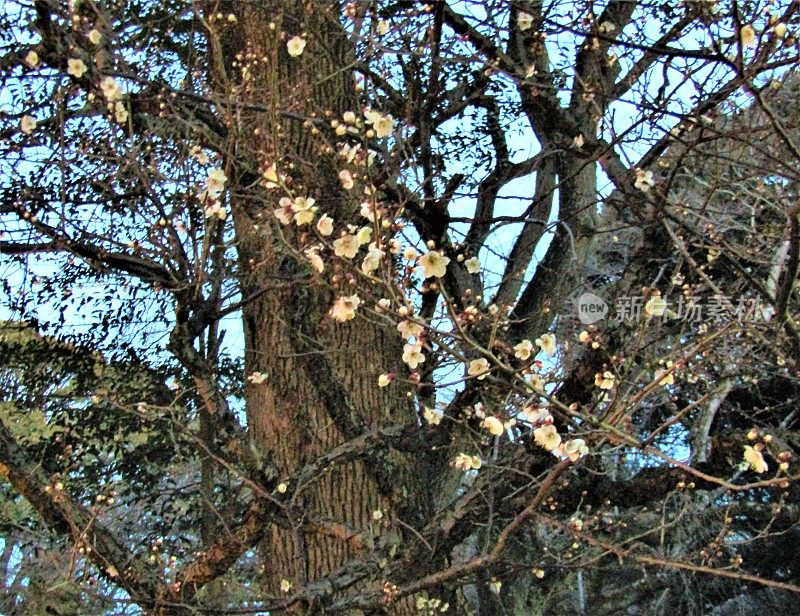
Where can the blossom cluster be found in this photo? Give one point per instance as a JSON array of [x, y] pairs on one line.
[[211, 197]]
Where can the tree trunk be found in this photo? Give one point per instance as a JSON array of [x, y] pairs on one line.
[[316, 368]]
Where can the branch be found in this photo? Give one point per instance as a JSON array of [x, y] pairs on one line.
[[145, 270], [431, 223], [665, 563], [543, 110], [18, 248], [266, 509], [488, 190], [789, 276], [69, 518], [649, 57], [460, 571], [558, 273], [235, 438], [532, 232], [653, 484], [592, 75], [216, 560]]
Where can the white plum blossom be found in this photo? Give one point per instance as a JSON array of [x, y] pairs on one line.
[[32, 59], [410, 254], [199, 155], [547, 437], [344, 308], [215, 210], [409, 329], [462, 462], [433, 417], [644, 180], [755, 459], [349, 152], [346, 178], [27, 124], [412, 355], [479, 368], [547, 342], [364, 235], [536, 382], [346, 246], [748, 36], [665, 376], [303, 212], [493, 425], [120, 112], [573, 449], [607, 26], [373, 259], [434, 264], [604, 380], [524, 21], [383, 125], [325, 225], [295, 46], [384, 379], [465, 462], [272, 179], [312, 254], [537, 414], [523, 350], [256, 378], [285, 212], [369, 211], [215, 182], [656, 306], [76, 67], [473, 265]]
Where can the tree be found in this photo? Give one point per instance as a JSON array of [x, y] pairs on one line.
[[395, 307]]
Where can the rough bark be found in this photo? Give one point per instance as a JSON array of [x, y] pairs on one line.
[[322, 385]]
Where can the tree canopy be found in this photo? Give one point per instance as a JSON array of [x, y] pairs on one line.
[[382, 307]]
